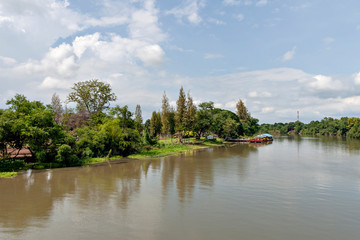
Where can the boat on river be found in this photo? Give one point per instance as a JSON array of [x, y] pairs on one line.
[[265, 137], [262, 138]]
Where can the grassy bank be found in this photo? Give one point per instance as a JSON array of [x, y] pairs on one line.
[[168, 148], [8, 174]]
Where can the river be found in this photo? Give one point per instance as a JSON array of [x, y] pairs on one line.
[[294, 188]]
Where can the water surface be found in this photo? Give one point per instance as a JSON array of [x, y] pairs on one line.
[[305, 188]]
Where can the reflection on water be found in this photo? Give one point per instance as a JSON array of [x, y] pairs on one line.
[[295, 188]]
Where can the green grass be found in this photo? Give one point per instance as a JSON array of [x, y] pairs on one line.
[[8, 174], [90, 161], [165, 148]]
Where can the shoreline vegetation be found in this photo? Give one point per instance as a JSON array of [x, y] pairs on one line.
[[38, 136], [165, 148]]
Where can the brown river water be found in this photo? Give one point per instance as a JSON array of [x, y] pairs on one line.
[[292, 189]]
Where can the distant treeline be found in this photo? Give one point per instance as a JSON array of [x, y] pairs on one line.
[[65, 137], [346, 127]]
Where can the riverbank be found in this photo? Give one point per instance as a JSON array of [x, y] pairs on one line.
[[165, 147]]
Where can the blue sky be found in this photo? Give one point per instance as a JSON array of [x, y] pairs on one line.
[[278, 56]]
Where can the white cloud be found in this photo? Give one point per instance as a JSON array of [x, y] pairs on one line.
[[266, 110], [289, 55], [151, 55], [328, 40], [261, 3], [322, 82], [240, 17], [216, 21], [231, 2], [357, 78], [55, 84], [238, 2], [7, 60], [213, 56], [255, 94], [190, 10]]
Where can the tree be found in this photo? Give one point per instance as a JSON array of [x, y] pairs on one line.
[[94, 95], [155, 124], [180, 111], [242, 112], [124, 115], [225, 124], [31, 125], [57, 108], [190, 114], [204, 118], [165, 111], [138, 119]]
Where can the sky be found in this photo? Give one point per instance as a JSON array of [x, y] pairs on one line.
[[277, 56]]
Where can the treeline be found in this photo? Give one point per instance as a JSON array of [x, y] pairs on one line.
[[346, 127], [57, 134], [188, 120]]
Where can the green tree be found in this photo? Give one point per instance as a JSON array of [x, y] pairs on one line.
[[165, 115], [138, 119], [155, 124], [31, 125], [242, 111], [226, 124], [190, 114], [124, 115], [93, 95], [204, 118], [180, 113]]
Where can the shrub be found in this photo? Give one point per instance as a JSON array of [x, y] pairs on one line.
[[66, 156], [11, 165]]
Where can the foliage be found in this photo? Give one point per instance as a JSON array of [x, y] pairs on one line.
[[12, 165], [30, 125], [8, 174], [226, 124], [57, 108], [138, 119], [204, 118], [242, 111], [190, 114], [180, 111], [349, 127], [165, 112], [66, 156], [155, 124], [93, 95]]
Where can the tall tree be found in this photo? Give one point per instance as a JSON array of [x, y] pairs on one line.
[[138, 114], [165, 113], [242, 111], [57, 108], [155, 124], [138, 119], [190, 115], [180, 111], [94, 95]]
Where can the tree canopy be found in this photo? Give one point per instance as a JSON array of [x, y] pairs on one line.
[[93, 95]]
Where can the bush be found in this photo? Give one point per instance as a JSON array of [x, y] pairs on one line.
[[11, 165], [66, 156]]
